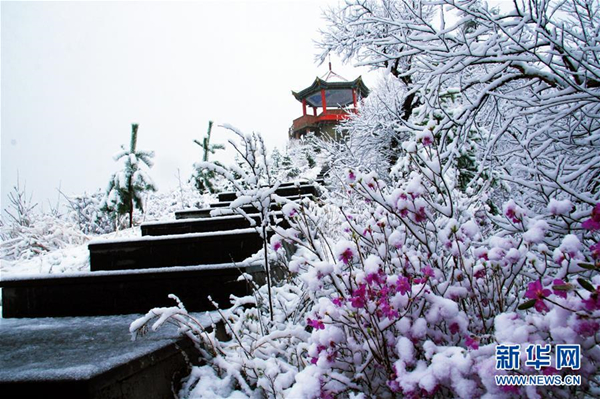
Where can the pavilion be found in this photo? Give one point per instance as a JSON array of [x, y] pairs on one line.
[[332, 99]]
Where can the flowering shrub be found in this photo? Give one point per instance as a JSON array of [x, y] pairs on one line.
[[397, 314], [409, 301]]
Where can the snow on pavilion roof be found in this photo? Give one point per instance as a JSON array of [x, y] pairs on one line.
[[336, 93]]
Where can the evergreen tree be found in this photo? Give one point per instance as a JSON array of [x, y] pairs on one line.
[[275, 159], [291, 170], [126, 187], [204, 178]]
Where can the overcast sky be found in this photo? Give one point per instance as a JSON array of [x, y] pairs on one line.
[[75, 75]]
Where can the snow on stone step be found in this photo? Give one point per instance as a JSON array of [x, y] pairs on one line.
[[90, 357], [122, 292], [291, 190], [186, 226], [223, 209], [174, 250]]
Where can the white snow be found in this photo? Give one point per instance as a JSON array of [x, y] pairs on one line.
[[73, 347], [24, 277], [215, 218], [71, 259], [470, 229], [570, 245], [560, 207], [173, 236], [536, 233]]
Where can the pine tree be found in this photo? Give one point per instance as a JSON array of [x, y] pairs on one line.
[[126, 187], [204, 178]]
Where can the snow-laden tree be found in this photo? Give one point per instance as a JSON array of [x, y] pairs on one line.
[[126, 187], [204, 179], [524, 79]]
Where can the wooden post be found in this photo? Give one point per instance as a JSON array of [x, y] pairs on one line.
[[323, 101], [354, 97], [304, 106]]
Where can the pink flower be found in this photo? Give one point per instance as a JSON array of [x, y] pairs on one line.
[[351, 176], [595, 250], [454, 328], [587, 328], [276, 245], [425, 137], [510, 213], [393, 385], [316, 324], [388, 311], [560, 293], [326, 395], [346, 256], [358, 299], [593, 223], [420, 215], [337, 301], [510, 388], [513, 212], [472, 343], [428, 272], [374, 278], [537, 292], [593, 302], [403, 285]]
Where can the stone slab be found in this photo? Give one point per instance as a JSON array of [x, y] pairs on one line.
[[174, 250], [223, 207], [121, 292], [282, 191], [90, 357], [186, 226]]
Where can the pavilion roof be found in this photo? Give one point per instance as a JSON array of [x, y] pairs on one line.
[[336, 93]]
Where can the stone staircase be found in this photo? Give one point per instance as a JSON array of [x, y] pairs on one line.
[[193, 257]]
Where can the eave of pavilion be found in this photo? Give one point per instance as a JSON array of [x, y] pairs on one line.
[[307, 96]]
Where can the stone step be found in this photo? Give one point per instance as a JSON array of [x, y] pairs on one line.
[[174, 250], [276, 205], [90, 357], [121, 292], [218, 223], [282, 191], [185, 226], [249, 209]]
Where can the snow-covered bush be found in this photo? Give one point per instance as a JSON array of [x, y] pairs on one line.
[[163, 204], [413, 302], [302, 160], [254, 186], [86, 211], [26, 233]]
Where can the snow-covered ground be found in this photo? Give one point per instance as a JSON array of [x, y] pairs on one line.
[[71, 259]]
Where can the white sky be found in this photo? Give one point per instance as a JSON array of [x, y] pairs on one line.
[[75, 75]]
